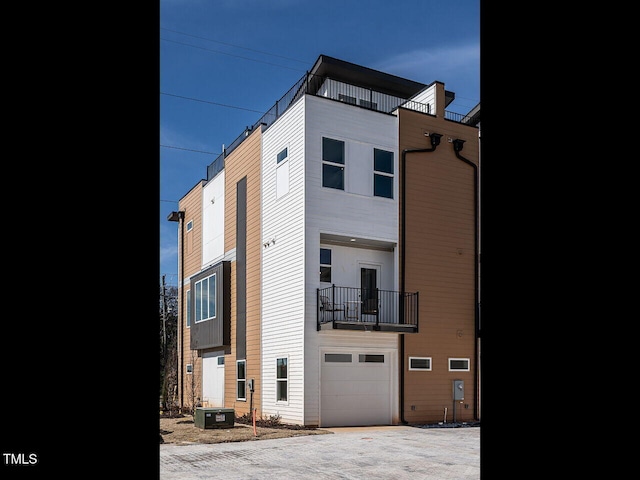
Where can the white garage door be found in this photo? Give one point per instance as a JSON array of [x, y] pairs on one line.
[[355, 389]]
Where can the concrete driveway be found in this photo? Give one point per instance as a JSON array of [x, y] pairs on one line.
[[358, 453]]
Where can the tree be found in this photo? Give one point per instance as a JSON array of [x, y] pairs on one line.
[[168, 345]]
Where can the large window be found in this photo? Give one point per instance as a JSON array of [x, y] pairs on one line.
[[332, 163], [325, 265], [382, 173], [205, 299], [241, 380], [282, 377]]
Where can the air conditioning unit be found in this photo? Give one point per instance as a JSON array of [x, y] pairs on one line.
[[214, 417]]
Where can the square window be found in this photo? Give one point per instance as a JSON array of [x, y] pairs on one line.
[[332, 150], [332, 176], [383, 186], [382, 161]]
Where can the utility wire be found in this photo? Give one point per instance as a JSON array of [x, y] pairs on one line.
[[211, 103], [189, 150], [236, 46], [232, 55]]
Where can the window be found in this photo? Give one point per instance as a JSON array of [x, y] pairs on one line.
[[241, 380], [189, 368], [189, 225], [205, 299], [347, 99], [325, 265], [282, 173], [220, 360], [459, 364], [332, 163], [364, 358], [368, 104], [420, 363], [281, 379], [281, 156], [382, 173], [337, 357], [188, 308]]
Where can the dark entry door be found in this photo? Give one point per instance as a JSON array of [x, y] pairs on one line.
[[369, 286]]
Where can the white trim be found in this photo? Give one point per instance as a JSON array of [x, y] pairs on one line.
[[421, 369], [459, 369]]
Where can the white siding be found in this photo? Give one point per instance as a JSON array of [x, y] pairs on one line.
[[354, 212], [426, 96], [283, 311], [213, 220]]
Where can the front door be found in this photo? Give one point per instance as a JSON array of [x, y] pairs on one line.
[[369, 281]]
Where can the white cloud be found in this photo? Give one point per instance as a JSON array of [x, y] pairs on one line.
[[430, 64]]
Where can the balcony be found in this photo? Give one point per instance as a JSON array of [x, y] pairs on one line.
[[361, 309]]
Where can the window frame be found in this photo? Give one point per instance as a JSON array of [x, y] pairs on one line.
[[384, 174], [189, 368], [459, 369], [241, 381], [282, 164], [334, 164], [419, 369], [326, 265], [280, 380], [201, 299], [189, 225]]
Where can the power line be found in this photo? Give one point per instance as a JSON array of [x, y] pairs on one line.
[[232, 55], [211, 103], [236, 46], [189, 150]]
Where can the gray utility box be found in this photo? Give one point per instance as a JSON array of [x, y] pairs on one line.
[[214, 417]]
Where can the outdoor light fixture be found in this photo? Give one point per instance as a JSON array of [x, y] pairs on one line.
[[457, 145], [176, 216]]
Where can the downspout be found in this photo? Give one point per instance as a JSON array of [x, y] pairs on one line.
[[435, 141], [457, 148], [181, 329]]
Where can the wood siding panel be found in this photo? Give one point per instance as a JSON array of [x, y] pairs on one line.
[[440, 259], [245, 161]]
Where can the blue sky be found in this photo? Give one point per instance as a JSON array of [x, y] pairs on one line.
[[224, 63]]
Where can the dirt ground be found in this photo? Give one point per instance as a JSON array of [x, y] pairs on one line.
[[182, 431]]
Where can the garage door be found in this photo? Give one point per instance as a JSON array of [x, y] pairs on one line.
[[355, 389]]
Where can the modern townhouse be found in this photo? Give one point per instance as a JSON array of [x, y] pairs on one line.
[[329, 262]]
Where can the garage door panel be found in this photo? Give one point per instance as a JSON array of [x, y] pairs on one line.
[[356, 393]]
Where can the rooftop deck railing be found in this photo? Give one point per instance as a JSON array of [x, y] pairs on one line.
[[327, 87]]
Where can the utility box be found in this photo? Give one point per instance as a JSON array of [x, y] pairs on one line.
[[214, 417], [458, 389]]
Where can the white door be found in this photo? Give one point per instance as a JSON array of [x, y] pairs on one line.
[[213, 381], [355, 388]]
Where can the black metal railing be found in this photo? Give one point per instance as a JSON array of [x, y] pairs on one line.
[[322, 86], [361, 305]]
